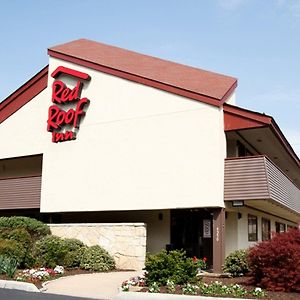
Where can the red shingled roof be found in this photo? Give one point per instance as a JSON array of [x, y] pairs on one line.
[[187, 81]]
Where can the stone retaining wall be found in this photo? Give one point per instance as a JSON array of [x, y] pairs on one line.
[[126, 242]]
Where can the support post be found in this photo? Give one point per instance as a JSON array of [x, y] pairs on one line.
[[218, 239]]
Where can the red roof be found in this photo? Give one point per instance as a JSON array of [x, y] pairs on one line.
[[23, 94], [187, 81], [237, 118]]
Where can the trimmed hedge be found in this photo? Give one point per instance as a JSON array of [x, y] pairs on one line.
[[12, 250], [35, 228], [21, 236], [75, 250], [50, 251], [95, 258]]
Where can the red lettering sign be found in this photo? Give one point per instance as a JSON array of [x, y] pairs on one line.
[[58, 118]]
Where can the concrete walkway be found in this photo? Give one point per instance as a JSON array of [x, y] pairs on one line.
[[107, 286], [97, 285]]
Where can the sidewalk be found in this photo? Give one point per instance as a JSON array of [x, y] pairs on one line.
[[96, 285]]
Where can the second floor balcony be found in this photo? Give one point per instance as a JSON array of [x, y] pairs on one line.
[[258, 182]]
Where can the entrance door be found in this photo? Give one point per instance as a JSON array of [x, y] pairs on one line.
[[191, 230]]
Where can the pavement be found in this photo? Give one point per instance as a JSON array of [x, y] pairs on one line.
[[96, 285]]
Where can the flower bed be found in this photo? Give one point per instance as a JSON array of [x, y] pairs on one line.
[[213, 287]]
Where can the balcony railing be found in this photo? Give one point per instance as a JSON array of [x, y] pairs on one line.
[[20, 192], [257, 178]]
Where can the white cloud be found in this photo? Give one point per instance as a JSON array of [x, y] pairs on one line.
[[291, 7]]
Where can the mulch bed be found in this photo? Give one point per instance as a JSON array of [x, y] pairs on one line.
[[244, 281]]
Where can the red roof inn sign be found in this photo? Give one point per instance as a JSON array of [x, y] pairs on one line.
[[64, 123]]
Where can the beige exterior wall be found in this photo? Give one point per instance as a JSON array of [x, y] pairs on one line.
[[157, 222], [237, 229], [125, 242], [138, 148]]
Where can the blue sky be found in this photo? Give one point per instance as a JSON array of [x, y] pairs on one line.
[[256, 41]]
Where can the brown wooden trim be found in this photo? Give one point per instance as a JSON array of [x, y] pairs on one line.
[[247, 114], [229, 92], [23, 156], [284, 142], [17, 177], [24, 94], [142, 80], [218, 239]]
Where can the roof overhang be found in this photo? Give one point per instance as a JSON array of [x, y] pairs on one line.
[[23, 94], [263, 135]]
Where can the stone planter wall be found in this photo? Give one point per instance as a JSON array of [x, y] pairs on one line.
[[126, 242]]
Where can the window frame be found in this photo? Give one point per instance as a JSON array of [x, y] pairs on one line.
[[265, 232], [252, 228]]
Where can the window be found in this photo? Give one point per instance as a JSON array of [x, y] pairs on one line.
[[280, 227], [265, 229], [252, 228], [242, 150]]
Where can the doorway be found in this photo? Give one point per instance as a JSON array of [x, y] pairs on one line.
[[192, 231]]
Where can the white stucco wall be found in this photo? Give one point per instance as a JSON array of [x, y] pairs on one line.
[[137, 148], [237, 229]]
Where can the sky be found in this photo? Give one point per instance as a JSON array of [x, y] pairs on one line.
[[255, 41]]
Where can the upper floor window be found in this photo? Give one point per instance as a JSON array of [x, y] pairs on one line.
[[242, 150], [252, 228]]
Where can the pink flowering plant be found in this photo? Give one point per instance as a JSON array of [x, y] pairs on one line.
[[40, 274]]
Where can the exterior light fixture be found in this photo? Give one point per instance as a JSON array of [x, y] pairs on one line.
[[237, 203]]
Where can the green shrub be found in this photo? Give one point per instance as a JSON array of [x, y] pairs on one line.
[[75, 250], [21, 236], [50, 251], [34, 227], [18, 234], [13, 250], [173, 265], [96, 258], [236, 263]]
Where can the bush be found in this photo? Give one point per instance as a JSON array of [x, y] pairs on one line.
[[236, 263], [75, 250], [173, 266], [13, 250], [96, 258], [34, 227], [21, 236], [50, 251], [275, 264]]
